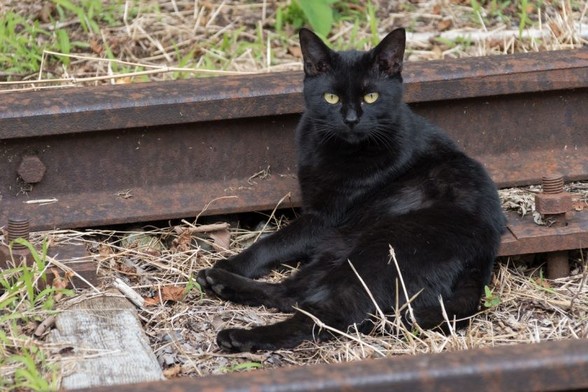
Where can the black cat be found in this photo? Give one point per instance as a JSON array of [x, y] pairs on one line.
[[373, 175]]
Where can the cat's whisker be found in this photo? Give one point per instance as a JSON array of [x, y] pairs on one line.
[[380, 136]]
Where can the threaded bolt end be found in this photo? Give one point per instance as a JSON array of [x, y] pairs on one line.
[[553, 184], [18, 228]]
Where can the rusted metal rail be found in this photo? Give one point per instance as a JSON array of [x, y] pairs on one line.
[[146, 152], [143, 152], [553, 366]]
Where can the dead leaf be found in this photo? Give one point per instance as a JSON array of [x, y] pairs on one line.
[[124, 80], [444, 24], [295, 51], [543, 283], [172, 372], [221, 240], [59, 282], [46, 12], [555, 29], [530, 9], [182, 242], [151, 301], [105, 251], [172, 293], [127, 269], [167, 293], [437, 52], [96, 47]]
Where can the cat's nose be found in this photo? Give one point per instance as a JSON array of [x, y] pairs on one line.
[[351, 118]]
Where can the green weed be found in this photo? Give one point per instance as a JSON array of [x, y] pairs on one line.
[[541, 283], [33, 372], [20, 52], [493, 9], [91, 14], [490, 299], [319, 14], [25, 300], [524, 19], [242, 367]]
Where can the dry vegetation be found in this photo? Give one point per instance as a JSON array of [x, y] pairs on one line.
[[521, 305], [151, 41], [129, 41]]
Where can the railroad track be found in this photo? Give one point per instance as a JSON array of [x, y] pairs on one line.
[[553, 366], [146, 152]]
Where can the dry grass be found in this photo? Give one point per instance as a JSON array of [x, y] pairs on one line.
[[162, 40], [523, 307]]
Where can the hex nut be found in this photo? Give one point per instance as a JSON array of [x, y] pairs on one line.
[[31, 169], [553, 203]]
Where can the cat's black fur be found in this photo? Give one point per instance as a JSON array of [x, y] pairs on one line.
[[373, 176]]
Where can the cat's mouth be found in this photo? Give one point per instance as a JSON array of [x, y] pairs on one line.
[[353, 135]]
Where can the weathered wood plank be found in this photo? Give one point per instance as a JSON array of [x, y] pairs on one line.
[[108, 344]]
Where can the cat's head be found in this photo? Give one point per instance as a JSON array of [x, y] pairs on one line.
[[353, 95]]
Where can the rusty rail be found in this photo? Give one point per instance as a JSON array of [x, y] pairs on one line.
[[552, 366], [143, 152]]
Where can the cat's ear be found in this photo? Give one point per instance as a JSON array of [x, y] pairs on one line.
[[389, 53], [315, 54]]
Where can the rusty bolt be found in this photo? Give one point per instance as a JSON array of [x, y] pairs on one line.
[[31, 169], [553, 200], [18, 227], [553, 203]]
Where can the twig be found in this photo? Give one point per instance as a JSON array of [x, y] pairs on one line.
[[212, 201], [320, 324], [287, 195], [128, 292], [380, 313], [204, 228], [46, 324], [393, 257], [41, 201], [446, 317]]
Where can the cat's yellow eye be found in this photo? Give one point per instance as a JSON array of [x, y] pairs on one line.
[[371, 97], [331, 98]]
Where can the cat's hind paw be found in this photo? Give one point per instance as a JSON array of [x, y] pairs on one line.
[[241, 340], [235, 340]]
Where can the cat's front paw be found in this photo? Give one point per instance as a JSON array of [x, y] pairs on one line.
[[201, 278], [236, 340], [219, 281]]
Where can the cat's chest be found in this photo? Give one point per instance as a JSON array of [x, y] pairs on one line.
[[335, 186]]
